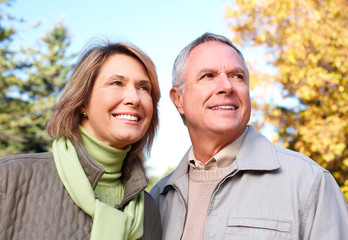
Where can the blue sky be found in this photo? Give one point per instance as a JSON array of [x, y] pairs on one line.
[[161, 28]]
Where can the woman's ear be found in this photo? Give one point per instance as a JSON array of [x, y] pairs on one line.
[[177, 98], [82, 109]]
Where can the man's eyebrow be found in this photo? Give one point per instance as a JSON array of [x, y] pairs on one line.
[[232, 70], [206, 70], [239, 70]]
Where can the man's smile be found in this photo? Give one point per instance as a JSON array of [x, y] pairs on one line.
[[224, 107]]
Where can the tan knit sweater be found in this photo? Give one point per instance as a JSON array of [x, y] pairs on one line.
[[202, 184]]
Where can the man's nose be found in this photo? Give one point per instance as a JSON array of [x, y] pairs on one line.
[[224, 85]]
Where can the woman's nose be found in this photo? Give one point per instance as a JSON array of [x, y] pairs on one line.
[[132, 96]]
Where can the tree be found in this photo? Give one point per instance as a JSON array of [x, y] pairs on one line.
[[154, 179], [45, 80], [30, 83], [8, 104], [307, 46]]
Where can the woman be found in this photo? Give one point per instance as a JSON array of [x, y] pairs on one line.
[[91, 186]]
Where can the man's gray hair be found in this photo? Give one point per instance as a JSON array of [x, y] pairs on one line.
[[181, 59]]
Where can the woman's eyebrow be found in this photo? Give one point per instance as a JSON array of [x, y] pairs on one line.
[[145, 81], [116, 76]]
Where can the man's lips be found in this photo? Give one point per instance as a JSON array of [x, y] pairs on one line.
[[128, 117], [224, 107]]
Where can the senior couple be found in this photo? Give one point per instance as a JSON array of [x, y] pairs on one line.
[[231, 184]]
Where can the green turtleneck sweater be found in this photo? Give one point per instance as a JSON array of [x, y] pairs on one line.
[[110, 188]]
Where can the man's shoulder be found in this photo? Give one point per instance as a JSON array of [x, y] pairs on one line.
[[285, 157], [298, 161], [159, 186]]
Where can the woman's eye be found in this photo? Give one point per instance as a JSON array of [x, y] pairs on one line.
[[146, 88], [116, 83]]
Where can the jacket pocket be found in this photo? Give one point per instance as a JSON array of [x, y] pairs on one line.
[[256, 228]]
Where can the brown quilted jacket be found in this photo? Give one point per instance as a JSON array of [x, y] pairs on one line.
[[35, 205]]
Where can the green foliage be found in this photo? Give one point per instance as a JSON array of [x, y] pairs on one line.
[[307, 44], [30, 83]]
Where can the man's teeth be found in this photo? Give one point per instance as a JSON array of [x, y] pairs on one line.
[[223, 108], [127, 117]]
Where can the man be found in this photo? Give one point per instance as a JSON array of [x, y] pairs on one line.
[[233, 183]]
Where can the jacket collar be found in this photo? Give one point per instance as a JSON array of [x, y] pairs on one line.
[[256, 153], [177, 178], [133, 186]]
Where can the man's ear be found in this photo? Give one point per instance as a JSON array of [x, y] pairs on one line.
[[177, 99]]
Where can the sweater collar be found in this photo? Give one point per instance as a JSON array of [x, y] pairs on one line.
[[109, 158], [133, 186]]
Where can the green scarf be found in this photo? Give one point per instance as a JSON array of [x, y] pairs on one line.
[[108, 222]]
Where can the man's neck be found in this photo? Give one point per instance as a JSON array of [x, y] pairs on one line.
[[205, 147]]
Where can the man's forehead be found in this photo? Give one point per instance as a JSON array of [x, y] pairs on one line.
[[210, 48], [213, 53]]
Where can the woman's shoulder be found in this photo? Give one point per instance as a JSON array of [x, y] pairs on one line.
[[149, 202], [25, 160], [152, 219]]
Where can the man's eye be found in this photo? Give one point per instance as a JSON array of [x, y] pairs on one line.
[[240, 76], [208, 75]]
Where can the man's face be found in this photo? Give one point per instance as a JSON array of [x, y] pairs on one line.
[[215, 100]]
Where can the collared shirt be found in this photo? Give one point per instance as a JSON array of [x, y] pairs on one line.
[[223, 158]]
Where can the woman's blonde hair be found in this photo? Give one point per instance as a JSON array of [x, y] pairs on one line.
[[67, 113]]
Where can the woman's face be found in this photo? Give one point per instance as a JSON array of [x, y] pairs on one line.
[[120, 108]]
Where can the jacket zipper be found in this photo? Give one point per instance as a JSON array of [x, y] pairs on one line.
[[213, 195], [185, 204]]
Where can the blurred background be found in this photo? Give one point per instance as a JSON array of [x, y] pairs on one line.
[[296, 51]]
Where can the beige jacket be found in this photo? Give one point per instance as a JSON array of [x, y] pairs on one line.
[[268, 193]]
